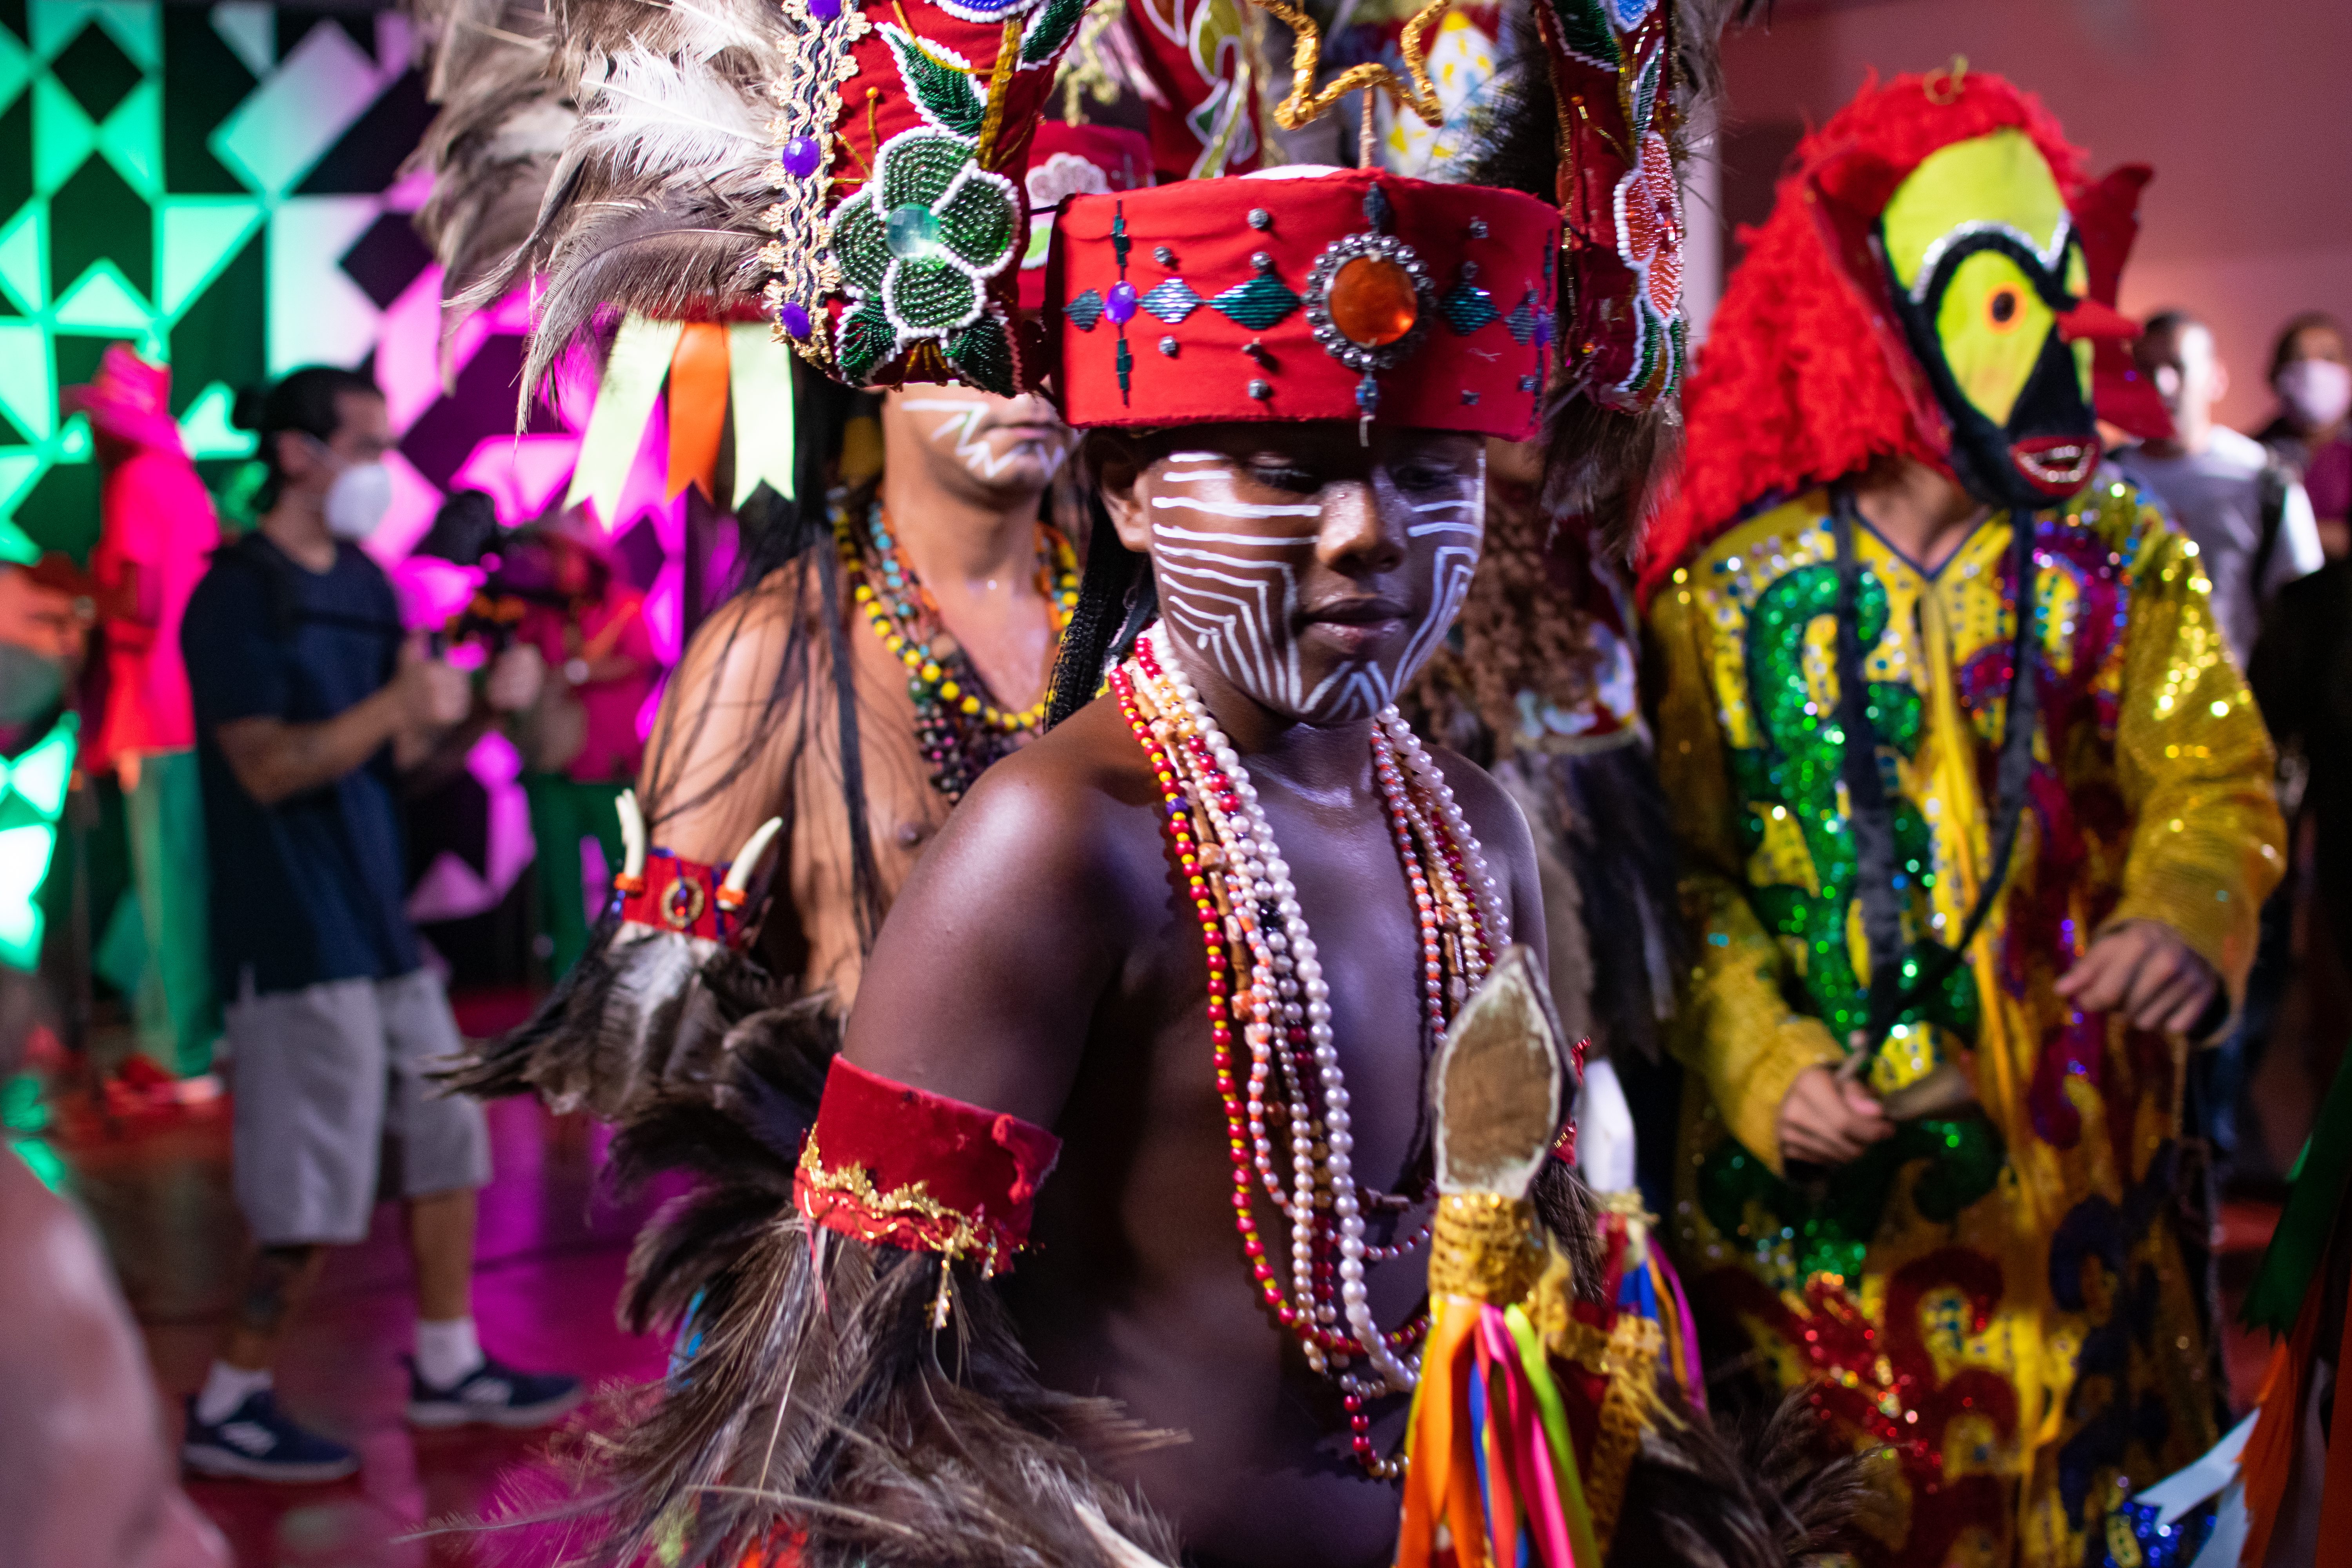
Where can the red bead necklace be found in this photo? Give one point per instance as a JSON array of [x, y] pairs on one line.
[[1263, 972]]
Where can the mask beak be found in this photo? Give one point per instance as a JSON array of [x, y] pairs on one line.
[[2090, 320]]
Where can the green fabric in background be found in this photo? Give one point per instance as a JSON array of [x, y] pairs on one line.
[[178, 1016], [563, 813], [2300, 1239]]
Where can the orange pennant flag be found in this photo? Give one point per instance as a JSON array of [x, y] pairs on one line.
[[697, 408]]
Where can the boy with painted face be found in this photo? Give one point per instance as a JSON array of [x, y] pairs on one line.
[[1116, 1235], [1965, 866]]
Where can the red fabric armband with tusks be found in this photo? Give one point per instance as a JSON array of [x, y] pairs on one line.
[[681, 895], [917, 1171]]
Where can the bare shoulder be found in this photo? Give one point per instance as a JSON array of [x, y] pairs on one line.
[[1494, 815], [736, 653], [724, 739], [1489, 808], [1058, 818], [1020, 915]]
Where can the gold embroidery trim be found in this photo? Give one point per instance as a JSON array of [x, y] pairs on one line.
[[966, 1235], [1484, 1246]]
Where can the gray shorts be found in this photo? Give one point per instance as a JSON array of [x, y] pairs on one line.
[[329, 1084]]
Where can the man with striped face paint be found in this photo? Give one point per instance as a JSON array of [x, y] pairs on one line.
[[1310, 570]]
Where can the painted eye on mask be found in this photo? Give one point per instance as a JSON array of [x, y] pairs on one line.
[[1993, 324]]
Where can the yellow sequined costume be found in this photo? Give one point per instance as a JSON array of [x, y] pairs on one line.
[[1996, 1292]]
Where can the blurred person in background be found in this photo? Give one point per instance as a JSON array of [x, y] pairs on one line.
[[583, 747], [2250, 519], [2254, 533], [2311, 371], [311, 705], [156, 533]]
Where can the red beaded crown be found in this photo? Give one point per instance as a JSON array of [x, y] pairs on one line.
[[1305, 294]]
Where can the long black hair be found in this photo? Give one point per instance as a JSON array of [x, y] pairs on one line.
[[306, 400], [1116, 599]]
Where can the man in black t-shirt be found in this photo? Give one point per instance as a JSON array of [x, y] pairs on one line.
[[309, 704]]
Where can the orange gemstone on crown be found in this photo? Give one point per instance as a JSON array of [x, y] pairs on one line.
[[1373, 302]]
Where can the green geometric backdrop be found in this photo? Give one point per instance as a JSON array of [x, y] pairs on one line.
[[216, 184]]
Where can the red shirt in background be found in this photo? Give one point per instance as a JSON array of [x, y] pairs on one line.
[[612, 751], [155, 514]]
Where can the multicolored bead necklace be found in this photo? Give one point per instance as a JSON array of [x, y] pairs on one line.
[[959, 727], [1263, 968]]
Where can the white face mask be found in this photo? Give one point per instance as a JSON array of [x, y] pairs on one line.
[[357, 500], [2316, 392]]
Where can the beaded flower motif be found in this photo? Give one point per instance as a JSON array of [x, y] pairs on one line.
[[915, 245], [1650, 233]]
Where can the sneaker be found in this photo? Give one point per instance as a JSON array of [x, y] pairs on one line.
[[256, 1441], [494, 1394]]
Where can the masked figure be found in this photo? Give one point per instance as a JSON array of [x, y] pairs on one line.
[[1975, 817]]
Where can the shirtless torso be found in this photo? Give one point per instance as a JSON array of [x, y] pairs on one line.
[[1040, 962], [965, 475]]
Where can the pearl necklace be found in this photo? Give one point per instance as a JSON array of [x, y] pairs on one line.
[[1263, 967]]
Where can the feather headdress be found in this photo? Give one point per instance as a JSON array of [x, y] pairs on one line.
[[851, 173], [504, 119]]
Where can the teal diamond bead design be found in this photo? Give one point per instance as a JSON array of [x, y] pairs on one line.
[[1522, 319], [1258, 303], [1171, 300], [1466, 308], [1084, 311], [912, 231]]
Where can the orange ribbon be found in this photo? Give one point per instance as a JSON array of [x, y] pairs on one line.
[[697, 408]]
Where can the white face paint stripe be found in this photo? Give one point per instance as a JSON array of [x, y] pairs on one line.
[[1243, 642], [1451, 568], [1232, 507], [971, 444], [1169, 531], [1237, 614]]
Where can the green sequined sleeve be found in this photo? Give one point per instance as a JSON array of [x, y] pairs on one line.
[[2195, 765], [1734, 1027]]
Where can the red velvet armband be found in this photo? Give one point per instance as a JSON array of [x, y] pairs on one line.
[[681, 895], [920, 1171]]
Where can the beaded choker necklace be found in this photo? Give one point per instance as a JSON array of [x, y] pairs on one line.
[[1264, 970], [959, 725]]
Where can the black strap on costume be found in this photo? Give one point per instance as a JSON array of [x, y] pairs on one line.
[[2270, 493], [1872, 815]]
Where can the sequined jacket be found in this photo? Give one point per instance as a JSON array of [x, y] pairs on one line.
[[2151, 795], [1995, 1292]]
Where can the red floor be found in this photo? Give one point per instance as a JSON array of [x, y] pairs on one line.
[[550, 1251]]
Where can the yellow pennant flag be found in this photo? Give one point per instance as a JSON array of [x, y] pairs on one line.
[[634, 371], [759, 371]]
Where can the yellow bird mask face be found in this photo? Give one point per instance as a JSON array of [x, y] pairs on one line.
[[1988, 276]]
